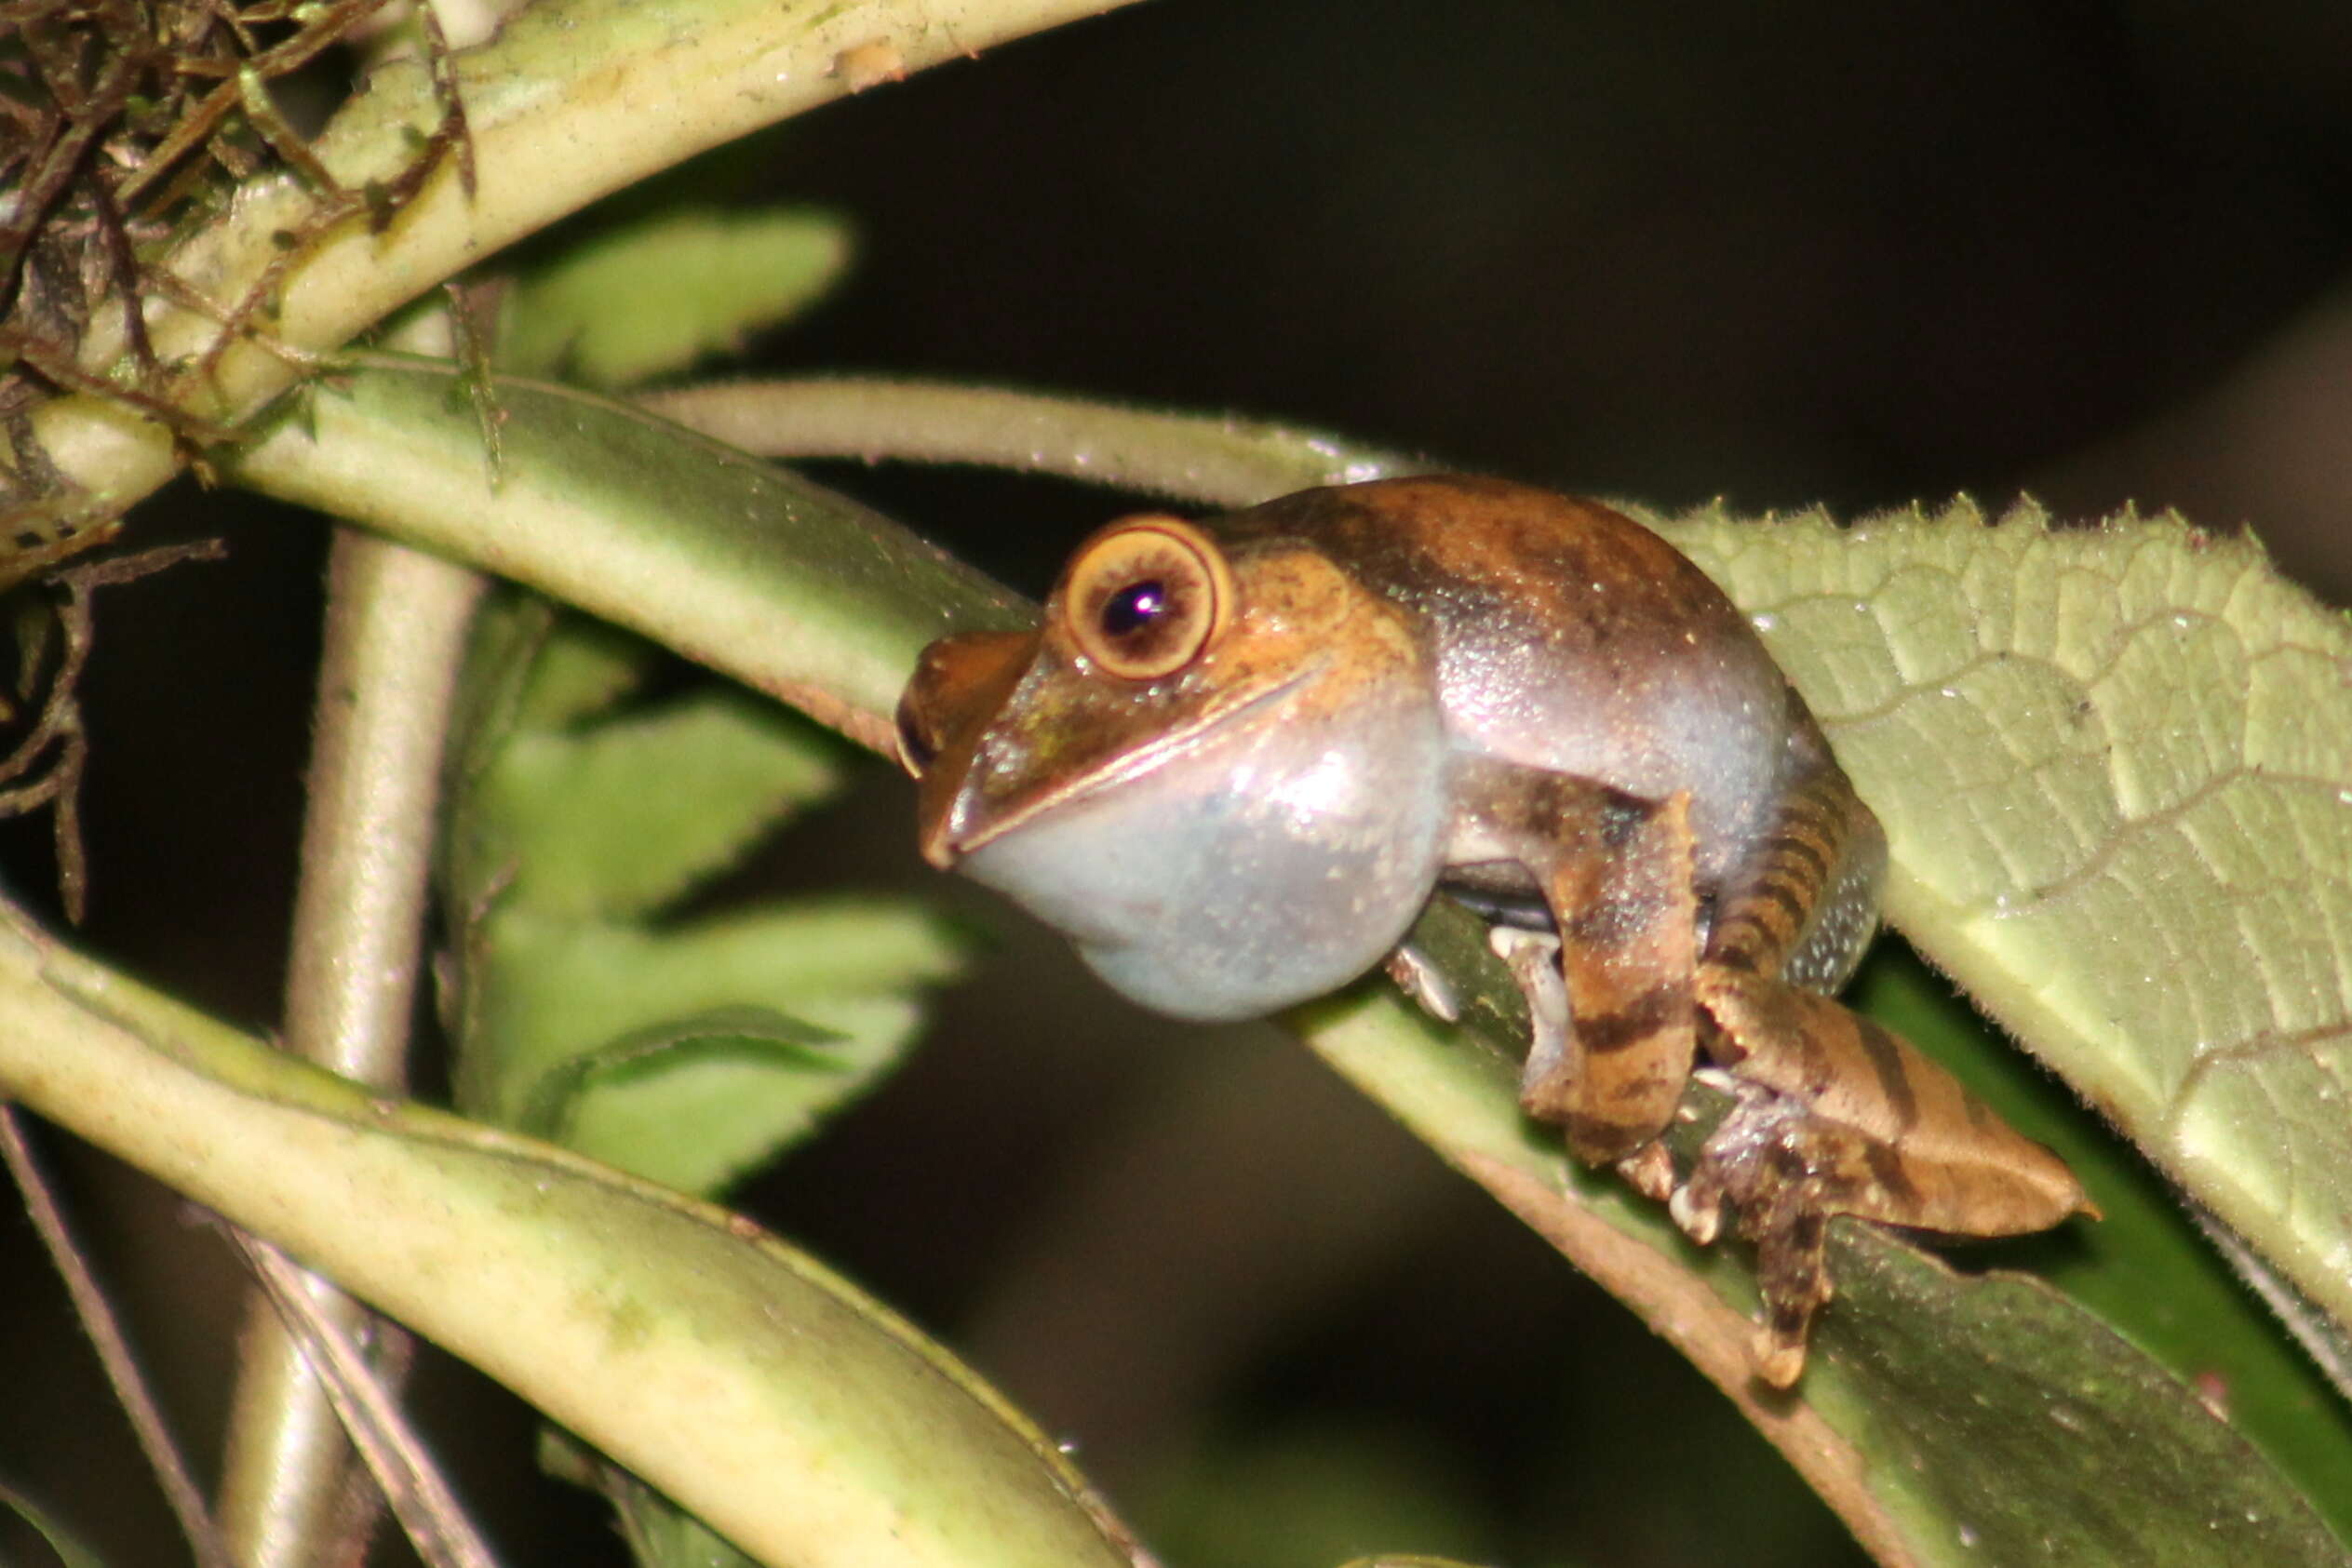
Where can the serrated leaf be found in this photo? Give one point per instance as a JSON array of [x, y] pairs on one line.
[[694, 1103], [2144, 1268], [756, 1045], [660, 294], [623, 817], [557, 997], [562, 806], [2116, 768], [679, 1054]]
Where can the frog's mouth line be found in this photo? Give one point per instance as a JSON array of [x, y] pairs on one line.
[[1134, 767]]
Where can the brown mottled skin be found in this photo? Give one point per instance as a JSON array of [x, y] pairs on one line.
[[1336, 702]]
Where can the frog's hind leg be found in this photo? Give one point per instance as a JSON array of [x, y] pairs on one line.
[[1832, 1114], [1805, 903], [1935, 1156]]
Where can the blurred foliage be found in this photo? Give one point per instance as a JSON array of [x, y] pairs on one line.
[[651, 297]]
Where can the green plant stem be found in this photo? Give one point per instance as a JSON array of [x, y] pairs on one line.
[[1227, 462], [788, 588], [395, 632], [765, 1396], [566, 104], [368, 1408]]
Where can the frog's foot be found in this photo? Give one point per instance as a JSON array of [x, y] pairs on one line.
[[1785, 1172], [1793, 1272], [1423, 983], [1912, 1147]]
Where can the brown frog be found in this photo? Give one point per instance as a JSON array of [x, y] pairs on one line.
[[1240, 754]]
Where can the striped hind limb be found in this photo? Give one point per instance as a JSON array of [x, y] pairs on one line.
[[1803, 902]]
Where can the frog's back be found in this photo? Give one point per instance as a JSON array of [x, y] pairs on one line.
[[1568, 637]]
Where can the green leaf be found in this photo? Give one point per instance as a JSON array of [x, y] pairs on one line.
[[685, 1053], [689, 1054], [681, 1101], [2116, 769], [572, 1012], [801, 1420], [2145, 1268], [2033, 1437], [656, 296], [843, 965], [624, 816], [566, 803]]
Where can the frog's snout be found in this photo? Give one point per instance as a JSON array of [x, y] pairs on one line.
[[960, 686]]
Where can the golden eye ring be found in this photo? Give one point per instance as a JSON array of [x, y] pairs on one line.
[[1144, 597]]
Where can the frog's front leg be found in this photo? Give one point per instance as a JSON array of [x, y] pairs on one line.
[[1834, 1115], [1610, 1057]]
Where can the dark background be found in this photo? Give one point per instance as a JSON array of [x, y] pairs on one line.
[[1838, 252]]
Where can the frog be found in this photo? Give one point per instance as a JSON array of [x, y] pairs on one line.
[[1239, 754]]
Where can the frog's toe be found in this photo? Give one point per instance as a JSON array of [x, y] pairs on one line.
[[1697, 1208], [1650, 1171], [1778, 1361], [1423, 983]]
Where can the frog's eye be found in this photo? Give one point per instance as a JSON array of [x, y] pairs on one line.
[[1144, 597]]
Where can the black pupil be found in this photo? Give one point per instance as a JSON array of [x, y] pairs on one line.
[[1135, 607]]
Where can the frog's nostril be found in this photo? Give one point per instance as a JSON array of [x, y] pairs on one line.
[[915, 746]]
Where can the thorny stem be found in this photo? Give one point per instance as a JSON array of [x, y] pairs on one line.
[[397, 623]]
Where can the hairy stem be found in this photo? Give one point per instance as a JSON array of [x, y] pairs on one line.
[[395, 632], [1224, 461]]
